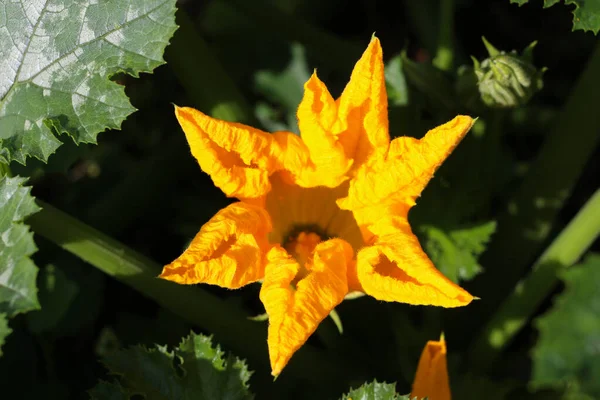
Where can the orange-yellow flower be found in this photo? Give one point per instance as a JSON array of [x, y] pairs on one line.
[[319, 215], [431, 380]]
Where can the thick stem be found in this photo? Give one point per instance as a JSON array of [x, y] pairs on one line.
[[521, 305]]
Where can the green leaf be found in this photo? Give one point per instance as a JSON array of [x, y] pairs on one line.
[[455, 251], [567, 350], [375, 391], [586, 15], [57, 292], [194, 370], [57, 60], [18, 292], [4, 330]]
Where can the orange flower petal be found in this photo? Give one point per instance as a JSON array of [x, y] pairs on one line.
[[316, 114], [431, 380], [362, 123], [295, 314], [240, 158], [395, 268], [229, 250], [390, 185]]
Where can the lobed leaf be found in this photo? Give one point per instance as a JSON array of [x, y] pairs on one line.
[[194, 370], [57, 58], [375, 391], [18, 292], [567, 351], [455, 251], [586, 15]]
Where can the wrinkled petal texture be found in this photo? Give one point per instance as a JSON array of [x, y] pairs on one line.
[[294, 314], [395, 268], [431, 380], [239, 158], [390, 185], [229, 251], [316, 114], [362, 122]]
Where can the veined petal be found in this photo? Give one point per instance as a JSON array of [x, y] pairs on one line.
[[395, 268], [431, 380], [295, 314], [239, 158], [229, 251], [362, 123], [398, 179], [316, 114]]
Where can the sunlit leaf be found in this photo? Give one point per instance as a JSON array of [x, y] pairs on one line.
[[194, 370], [57, 58], [18, 292], [568, 349]]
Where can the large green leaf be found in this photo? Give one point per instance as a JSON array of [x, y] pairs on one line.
[[194, 370], [586, 15], [567, 351], [375, 391], [57, 58], [18, 291]]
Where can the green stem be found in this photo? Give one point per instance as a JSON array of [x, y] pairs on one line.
[[521, 305], [229, 324], [444, 58], [524, 228]]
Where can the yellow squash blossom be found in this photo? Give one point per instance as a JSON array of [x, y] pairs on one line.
[[319, 215], [431, 380]]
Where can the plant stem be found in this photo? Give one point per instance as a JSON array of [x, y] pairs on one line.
[[444, 57], [524, 228], [521, 305], [229, 324]]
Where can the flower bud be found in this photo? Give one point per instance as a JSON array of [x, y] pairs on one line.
[[507, 79]]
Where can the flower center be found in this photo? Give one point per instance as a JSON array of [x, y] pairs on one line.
[[306, 216], [302, 246]]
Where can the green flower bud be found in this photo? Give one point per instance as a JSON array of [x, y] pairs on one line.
[[507, 79]]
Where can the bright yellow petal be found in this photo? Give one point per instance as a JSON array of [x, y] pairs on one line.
[[431, 380], [362, 123], [229, 251], [295, 314], [395, 268], [316, 114], [240, 158], [391, 185]]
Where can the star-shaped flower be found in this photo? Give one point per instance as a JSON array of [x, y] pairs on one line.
[[319, 215]]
